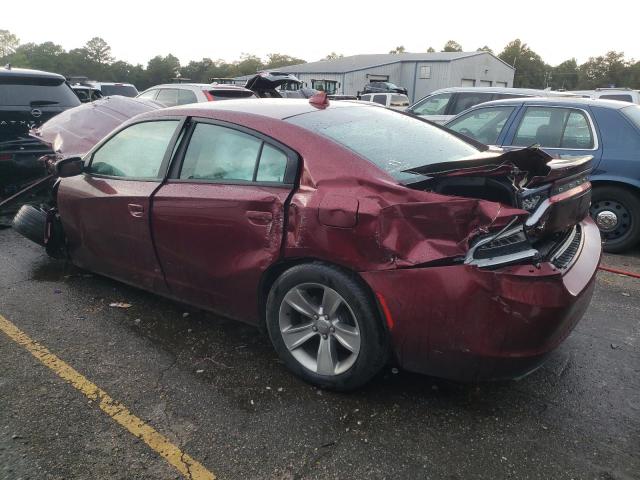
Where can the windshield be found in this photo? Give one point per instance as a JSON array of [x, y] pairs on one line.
[[633, 114], [392, 140], [36, 92]]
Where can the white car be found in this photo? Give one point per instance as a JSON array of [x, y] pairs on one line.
[[444, 104], [620, 94], [395, 101]]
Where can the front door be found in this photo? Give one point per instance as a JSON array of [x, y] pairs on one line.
[[105, 211], [218, 222]]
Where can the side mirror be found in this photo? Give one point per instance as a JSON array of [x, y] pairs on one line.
[[69, 167]]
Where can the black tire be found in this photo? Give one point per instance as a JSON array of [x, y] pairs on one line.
[[31, 222], [373, 347], [628, 234]]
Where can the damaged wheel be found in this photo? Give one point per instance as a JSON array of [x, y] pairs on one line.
[[42, 227], [616, 211], [325, 327]]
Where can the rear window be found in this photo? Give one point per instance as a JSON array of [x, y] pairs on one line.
[[229, 94], [633, 114], [36, 92], [621, 98], [392, 141], [124, 90], [399, 101]]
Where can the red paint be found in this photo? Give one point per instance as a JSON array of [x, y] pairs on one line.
[[619, 272], [210, 245]]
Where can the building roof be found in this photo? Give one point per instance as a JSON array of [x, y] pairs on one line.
[[360, 62]]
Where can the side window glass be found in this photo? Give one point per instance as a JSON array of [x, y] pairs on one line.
[[577, 133], [483, 124], [168, 96], [469, 99], [220, 153], [365, 98], [135, 152], [381, 99], [434, 105], [273, 164], [542, 126], [150, 95], [186, 96]]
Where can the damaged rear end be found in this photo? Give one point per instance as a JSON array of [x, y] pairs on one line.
[[542, 202]]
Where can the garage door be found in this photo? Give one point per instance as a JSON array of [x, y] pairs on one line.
[[467, 83]]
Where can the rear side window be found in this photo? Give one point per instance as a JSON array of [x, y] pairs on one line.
[[230, 94], [273, 165], [399, 101], [483, 124], [465, 100], [136, 152], [36, 92], [365, 98], [381, 99], [220, 153], [434, 105], [621, 98], [168, 96], [186, 96], [554, 128]]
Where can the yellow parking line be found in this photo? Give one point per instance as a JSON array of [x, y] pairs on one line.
[[116, 410]]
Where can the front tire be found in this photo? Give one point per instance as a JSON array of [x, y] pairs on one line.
[[616, 211], [325, 326]]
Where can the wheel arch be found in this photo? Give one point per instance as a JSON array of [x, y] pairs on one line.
[[620, 182]]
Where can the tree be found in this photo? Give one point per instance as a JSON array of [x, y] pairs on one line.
[[531, 71], [484, 49], [162, 69], [399, 49], [431, 50], [603, 71], [98, 51], [8, 43], [249, 64], [44, 56], [275, 60], [333, 56], [565, 75], [452, 46]]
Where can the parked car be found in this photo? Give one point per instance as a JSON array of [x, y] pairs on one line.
[[442, 105], [27, 99], [114, 88], [396, 101], [607, 130], [621, 94], [383, 87], [172, 94], [278, 85], [347, 231], [86, 93]]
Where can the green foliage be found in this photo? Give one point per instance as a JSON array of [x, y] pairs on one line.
[[452, 46], [333, 56], [531, 71], [431, 50], [276, 60], [565, 75], [484, 49], [8, 43], [399, 49]]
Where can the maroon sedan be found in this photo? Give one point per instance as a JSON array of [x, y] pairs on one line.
[[353, 234]]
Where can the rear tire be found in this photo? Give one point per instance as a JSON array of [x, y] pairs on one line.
[[325, 327], [616, 211]]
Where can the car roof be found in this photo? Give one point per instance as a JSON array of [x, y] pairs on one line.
[[26, 72], [559, 101], [278, 108], [111, 83], [521, 91], [211, 86]]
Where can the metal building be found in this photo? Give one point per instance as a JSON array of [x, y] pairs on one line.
[[419, 73]]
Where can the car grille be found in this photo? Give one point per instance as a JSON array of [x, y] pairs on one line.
[[565, 255]]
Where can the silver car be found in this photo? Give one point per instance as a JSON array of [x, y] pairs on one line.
[[172, 94]]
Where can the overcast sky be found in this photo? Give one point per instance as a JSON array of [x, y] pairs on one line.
[[138, 30]]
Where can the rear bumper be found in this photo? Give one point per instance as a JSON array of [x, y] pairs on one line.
[[468, 324]]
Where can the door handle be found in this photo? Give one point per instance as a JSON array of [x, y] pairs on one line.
[[259, 218], [136, 210]]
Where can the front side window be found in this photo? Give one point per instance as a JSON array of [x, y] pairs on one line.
[[136, 152], [483, 124], [391, 141], [381, 99], [220, 153], [552, 127], [467, 100], [434, 105]]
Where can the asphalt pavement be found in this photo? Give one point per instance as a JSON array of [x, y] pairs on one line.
[[216, 391]]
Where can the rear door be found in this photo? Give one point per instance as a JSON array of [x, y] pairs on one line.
[[565, 131], [485, 124], [218, 222], [105, 211]]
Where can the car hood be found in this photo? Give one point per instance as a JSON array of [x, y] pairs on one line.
[[75, 131]]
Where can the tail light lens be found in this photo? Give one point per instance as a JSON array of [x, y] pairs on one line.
[[6, 156], [210, 98]]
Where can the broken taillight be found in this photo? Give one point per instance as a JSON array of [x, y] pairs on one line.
[[6, 156]]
